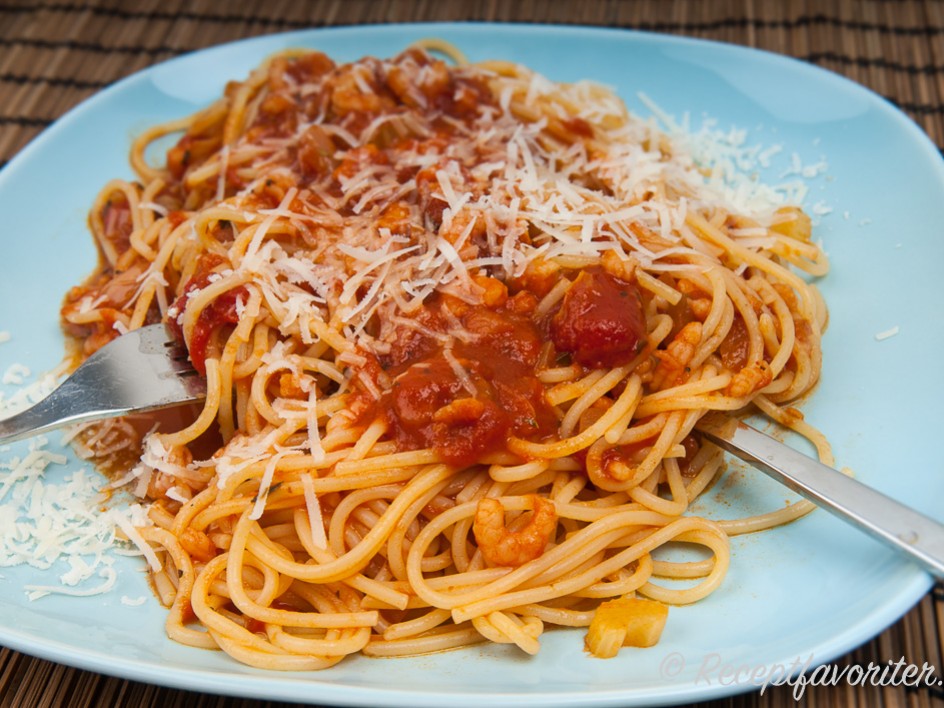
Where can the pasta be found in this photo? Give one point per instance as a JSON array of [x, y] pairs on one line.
[[458, 324]]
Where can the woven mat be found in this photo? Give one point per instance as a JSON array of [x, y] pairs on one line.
[[55, 54]]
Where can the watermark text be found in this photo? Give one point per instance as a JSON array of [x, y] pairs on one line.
[[712, 670]]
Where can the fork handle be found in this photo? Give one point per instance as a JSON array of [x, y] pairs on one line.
[[889, 521], [66, 405]]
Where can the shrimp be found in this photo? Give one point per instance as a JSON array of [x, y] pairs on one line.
[[178, 456], [198, 544], [676, 357], [750, 379], [349, 94], [502, 547], [466, 227]]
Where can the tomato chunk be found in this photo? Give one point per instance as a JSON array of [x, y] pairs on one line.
[[600, 323]]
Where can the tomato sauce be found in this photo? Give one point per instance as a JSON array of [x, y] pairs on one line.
[[466, 400], [735, 346], [579, 127], [219, 312], [464, 377], [600, 322]]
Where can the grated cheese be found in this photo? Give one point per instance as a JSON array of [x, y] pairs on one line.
[[315, 518], [885, 334], [265, 485], [460, 372], [51, 512], [15, 374], [110, 575]]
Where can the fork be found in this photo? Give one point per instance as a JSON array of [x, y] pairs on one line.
[[143, 370], [898, 526]]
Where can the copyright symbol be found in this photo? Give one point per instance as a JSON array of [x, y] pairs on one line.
[[672, 665]]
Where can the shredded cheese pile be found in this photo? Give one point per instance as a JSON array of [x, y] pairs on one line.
[[53, 514]]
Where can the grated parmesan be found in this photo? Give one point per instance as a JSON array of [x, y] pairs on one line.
[[15, 374], [52, 516], [885, 334]]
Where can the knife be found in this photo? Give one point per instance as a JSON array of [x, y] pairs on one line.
[[885, 519]]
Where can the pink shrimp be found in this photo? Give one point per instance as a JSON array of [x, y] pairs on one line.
[[502, 547], [750, 379], [675, 358]]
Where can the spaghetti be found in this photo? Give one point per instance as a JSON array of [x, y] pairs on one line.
[[458, 325]]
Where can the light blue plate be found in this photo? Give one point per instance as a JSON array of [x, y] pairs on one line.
[[807, 592]]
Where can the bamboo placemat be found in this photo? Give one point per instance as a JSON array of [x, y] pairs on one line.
[[55, 54]]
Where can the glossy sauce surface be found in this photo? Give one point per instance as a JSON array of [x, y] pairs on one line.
[[464, 395], [601, 321]]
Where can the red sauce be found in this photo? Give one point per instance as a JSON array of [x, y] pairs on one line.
[[578, 126], [111, 289], [277, 116], [691, 445], [600, 322], [187, 615], [465, 402], [309, 67], [219, 312], [255, 626], [429, 406], [315, 149], [432, 206], [466, 416], [117, 224], [632, 454], [735, 346], [176, 218]]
